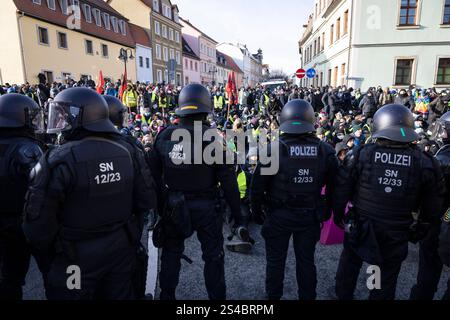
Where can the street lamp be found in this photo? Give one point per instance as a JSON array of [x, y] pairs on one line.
[[213, 70], [125, 55]]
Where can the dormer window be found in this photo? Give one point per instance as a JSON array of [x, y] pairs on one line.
[[122, 27], [87, 13], [97, 17], [156, 5], [76, 8], [114, 24], [64, 7], [106, 21]]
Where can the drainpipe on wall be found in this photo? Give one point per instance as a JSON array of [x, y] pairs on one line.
[[21, 46], [350, 41]]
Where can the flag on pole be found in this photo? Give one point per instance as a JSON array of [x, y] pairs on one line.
[[123, 86], [101, 83]]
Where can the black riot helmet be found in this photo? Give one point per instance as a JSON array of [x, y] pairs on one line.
[[394, 122], [441, 130], [194, 99], [297, 117], [117, 112], [76, 108], [20, 111]]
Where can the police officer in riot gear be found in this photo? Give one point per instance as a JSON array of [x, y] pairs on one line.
[[296, 206], [188, 190], [86, 202], [430, 263], [443, 156], [396, 190], [117, 112], [20, 118]]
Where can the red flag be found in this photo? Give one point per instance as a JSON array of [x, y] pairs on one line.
[[123, 86], [101, 83]]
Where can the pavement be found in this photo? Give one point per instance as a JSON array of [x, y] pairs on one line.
[[245, 274]]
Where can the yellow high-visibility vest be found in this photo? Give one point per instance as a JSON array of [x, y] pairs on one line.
[[242, 184], [218, 102], [130, 99]]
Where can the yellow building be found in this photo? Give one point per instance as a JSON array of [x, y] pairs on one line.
[[161, 21], [63, 38]]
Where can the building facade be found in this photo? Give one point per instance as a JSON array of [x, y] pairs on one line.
[[160, 18], [144, 57], [191, 65], [61, 41], [250, 66], [392, 43], [226, 65], [205, 48]]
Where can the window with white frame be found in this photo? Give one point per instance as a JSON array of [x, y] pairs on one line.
[[177, 37], [156, 5], [167, 11], [97, 17], [122, 27], [178, 57], [157, 28], [172, 54], [159, 76], [37, 2], [114, 24], [87, 13], [164, 31], [158, 51], [166, 54], [170, 34], [106, 21], [76, 8], [64, 6], [51, 4], [176, 17]]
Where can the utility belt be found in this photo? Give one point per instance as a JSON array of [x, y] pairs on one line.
[[68, 237], [301, 203], [418, 230]]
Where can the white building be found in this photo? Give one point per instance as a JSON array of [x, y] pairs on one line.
[[205, 48], [144, 61], [392, 43], [191, 65], [250, 64]]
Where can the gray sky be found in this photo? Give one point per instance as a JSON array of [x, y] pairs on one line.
[[273, 26]]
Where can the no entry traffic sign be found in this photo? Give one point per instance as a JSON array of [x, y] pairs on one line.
[[301, 73]]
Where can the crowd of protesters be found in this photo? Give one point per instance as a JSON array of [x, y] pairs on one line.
[[344, 114]]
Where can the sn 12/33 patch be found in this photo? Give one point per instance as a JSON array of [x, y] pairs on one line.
[[447, 216]]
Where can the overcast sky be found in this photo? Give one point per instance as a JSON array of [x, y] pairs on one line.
[[273, 26]]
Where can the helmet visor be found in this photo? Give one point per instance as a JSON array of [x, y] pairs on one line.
[[37, 120], [62, 117]]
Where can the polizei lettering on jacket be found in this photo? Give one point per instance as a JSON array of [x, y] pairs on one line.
[[303, 151], [393, 159]]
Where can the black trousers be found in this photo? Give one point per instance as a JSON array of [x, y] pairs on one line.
[[209, 226], [280, 226], [15, 255], [106, 268], [430, 267], [393, 250]]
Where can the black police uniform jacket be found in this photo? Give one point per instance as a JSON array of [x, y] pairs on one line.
[[386, 184], [173, 171], [87, 187], [18, 155], [443, 156], [306, 166]]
